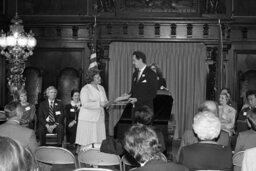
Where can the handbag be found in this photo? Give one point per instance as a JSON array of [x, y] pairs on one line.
[[112, 146]]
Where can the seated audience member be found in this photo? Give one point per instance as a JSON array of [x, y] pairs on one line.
[[142, 143], [14, 157], [230, 102], [189, 136], [206, 154], [72, 111], [144, 116], [14, 130], [51, 116], [29, 110], [227, 114], [242, 117], [247, 139]]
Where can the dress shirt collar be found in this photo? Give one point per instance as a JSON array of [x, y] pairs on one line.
[[142, 69], [51, 102]]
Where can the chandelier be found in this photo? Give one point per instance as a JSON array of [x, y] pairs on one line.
[[16, 45]]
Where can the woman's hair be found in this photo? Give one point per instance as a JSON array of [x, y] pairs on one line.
[[142, 143], [10, 109], [90, 75], [206, 126], [13, 157], [143, 115], [158, 70], [74, 91]]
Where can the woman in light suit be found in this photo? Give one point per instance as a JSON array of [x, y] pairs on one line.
[[91, 120]]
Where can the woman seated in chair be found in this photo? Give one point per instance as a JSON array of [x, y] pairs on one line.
[[29, 110], [142, 143], [206, 154], [227, 114], [72, 111]]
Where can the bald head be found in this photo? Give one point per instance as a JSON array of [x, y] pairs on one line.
[[209, 106]]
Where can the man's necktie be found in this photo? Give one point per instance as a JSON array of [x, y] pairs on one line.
[[51, 113]]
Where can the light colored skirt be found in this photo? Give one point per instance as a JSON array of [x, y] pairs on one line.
[[91, 132]]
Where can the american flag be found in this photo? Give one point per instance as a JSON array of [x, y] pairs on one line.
[[93, 57], [93, 61]]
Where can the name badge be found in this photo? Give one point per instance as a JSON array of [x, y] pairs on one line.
[[57, 112], [27, 108], [72, 110]]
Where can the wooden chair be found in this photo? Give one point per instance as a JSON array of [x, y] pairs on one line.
[[55, 155], [96, 158], [92, 169]]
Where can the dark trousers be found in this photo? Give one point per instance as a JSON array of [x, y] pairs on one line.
[[71, 134], [43, 130]]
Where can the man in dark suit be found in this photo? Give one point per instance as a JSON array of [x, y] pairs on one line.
[[241, 123], [144, 83], [247, 139], [51, 116], [14, 130]]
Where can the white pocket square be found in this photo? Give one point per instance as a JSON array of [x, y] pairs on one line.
[[144, 81]]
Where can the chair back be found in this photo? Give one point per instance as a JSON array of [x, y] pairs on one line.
[[126, 161], [238, 158], [55, 155], [96, 158], [249, 160], [92, 169]]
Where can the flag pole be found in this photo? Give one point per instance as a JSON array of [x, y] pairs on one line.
[[220, 57]]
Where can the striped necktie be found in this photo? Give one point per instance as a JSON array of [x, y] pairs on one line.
[[51, 113]]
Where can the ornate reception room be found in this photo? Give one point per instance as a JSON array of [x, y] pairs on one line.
[[65, 62]]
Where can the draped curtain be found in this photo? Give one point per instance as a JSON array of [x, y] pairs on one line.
[[183, 66]]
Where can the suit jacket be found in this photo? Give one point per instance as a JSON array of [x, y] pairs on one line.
[[145, 88], [24, 135], [206, 156], [189, 138], [58, 110], [159, 165], [246, 140], [90, 100]]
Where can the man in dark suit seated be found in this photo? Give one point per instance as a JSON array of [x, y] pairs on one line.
[[51, 116], [247, 139], [241, 123]]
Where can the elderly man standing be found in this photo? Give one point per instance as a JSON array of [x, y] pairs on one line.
[[51, 116], [14, 130]]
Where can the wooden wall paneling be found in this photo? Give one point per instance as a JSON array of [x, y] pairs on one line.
[[51, 60]]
